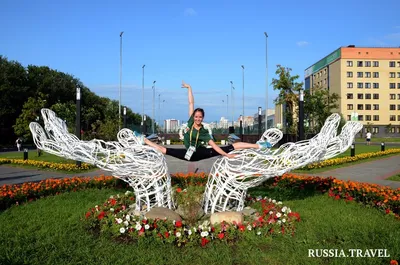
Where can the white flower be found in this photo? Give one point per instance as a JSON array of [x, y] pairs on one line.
[[204, 234], [178, 234], [111, 209], [126, 223], [271, 212], [279, 202], [112, 197], [118, 195], [138, 226], [259, 233], [209, 229], [278, 215], [288, 210], [279, 222], [119, 220], [146, 227], [189, 232], [269, 200], [128, 217], [201, 227], [283, 220], [273, 201], [249, 227], [284, 208], [128, 192], [258, 198], [122, 230]]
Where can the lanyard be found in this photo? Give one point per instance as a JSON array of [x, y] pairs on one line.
[[197, 136]]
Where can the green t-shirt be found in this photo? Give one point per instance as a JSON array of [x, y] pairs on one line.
[[204, 136]]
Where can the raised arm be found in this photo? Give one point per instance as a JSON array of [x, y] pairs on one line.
[[190, 97]]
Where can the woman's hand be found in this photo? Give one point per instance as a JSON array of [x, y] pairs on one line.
[[184, 85]]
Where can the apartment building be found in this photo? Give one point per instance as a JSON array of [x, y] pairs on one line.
[[368, 83]]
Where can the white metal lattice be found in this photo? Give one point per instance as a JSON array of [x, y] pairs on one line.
[[142, 167], [230, 179]]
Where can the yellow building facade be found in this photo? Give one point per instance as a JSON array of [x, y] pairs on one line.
[[368, 83]]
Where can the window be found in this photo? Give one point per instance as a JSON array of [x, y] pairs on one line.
[[368, 74], [359, 74], [392, 96], [398, 85], [376, 64], [325, 71], [392, 64], [398, 128], [360, 96], [367, 85], [398, 64], [391, 129], [398, 74], [376, 85], [349, 63], [375, 96], [360, 117], [398, 118], [367, 96], [392, 85], [375, 129], [376, 117], [375, 74], [398, 107], [376, 106], [325, 81], [348, 117], [367, 63], [349, 74], [349, 106], [367, 118], [392, 118], [368, 106], [360, 85], [392, 75], [350, 96], [398, 96], [360, 64], [392, 107], [349, 85], [360, 106]]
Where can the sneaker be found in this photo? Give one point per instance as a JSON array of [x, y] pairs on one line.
[[140, 137], [264, 145]]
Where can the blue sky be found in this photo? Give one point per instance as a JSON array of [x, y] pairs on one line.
[[203, 42]]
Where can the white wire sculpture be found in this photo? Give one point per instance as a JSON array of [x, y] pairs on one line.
[[142, 167], [230, 179]]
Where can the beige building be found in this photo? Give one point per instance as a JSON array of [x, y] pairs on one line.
[[368, 83]]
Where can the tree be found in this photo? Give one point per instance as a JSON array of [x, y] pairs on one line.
[[318, 106], [288, 90], [30, 112]]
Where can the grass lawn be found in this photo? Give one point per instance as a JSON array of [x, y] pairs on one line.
[[49, 231], [394, 178], [32, 155], [380, 140]]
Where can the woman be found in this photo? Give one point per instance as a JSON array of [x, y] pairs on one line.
[[196, 138]]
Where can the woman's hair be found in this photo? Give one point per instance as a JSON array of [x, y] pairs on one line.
[[200, 110]]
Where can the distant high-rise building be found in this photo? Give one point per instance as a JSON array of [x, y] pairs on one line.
[[171, 125]]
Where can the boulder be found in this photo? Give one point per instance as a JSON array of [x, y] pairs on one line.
[[228, 217], [161, 213]]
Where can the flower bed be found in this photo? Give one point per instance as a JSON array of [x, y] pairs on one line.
[[348, 159], [47, 165], [114, 218]]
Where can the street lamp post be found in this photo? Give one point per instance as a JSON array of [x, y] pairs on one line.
[[301, 115], [266, 80], [159, 110], [243, 92], [233, 104], [78, 118], [124, 117], [227, 111], [120, 78], [165, 127], [259, 122], [154, 95], [241, 128], [143, 124]]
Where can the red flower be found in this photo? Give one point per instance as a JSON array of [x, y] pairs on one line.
[[221, 235], [88, 214], [337, 197], [166, 234], [204, 241], [144, 221], [178, 190], [242, 228], [101, 215], [113, 202], [387, 211], [178, 224], [394, 262]]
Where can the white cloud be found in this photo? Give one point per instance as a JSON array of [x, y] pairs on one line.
[[190, 12], [302, 43]]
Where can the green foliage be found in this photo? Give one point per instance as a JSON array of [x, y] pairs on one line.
[[318, 105]]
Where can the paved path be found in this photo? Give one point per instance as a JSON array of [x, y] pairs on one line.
[[371, 172]]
